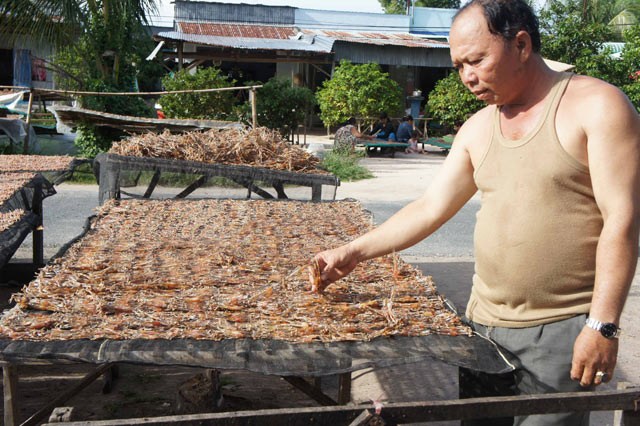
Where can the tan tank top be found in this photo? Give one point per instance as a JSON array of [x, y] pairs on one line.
[[537, 228]]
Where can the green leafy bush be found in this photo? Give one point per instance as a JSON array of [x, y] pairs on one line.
[[345, 165], [450, 101], [357, 91], [211, 106], [280, 105]]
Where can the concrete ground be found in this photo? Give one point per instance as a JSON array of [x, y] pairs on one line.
[[447, 256]]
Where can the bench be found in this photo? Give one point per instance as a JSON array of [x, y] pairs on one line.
[[391, 147], [444, 143]]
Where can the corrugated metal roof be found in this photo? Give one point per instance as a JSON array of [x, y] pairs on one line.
[[237, 30], [302, 45], [380, 39], [226, 12]]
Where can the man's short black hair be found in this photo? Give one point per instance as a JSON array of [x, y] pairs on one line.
[[383, 115], [507, 17]]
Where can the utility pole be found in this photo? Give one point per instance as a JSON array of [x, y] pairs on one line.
[[408, 7]]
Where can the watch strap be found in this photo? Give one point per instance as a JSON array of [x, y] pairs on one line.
[[597, 326]]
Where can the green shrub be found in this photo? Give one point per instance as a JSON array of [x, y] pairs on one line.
[[345, 165], [279, 106], [358, 91], [207, 106], [450, 101]]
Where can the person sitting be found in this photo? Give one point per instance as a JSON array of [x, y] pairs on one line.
[[405, 129], [413, 144], [383, 129], [347, 137]]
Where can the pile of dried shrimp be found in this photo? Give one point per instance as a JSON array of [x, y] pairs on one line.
[[34, 163], [259, 147], [9, 219], [220, 269]]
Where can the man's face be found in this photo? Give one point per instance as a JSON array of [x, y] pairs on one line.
[[488, 65]]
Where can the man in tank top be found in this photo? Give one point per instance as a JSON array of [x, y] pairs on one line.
[[556, 158]]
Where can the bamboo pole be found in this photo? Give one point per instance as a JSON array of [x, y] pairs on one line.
[[81, 93], [254, 110], [15, 87], [25, 148]]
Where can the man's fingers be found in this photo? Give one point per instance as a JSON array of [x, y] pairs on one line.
[[576, 370], [587, 376]]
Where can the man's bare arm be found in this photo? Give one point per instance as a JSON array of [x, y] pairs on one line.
[[447, 193], [613, 147]]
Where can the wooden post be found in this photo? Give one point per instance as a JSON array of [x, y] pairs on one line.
[[180, 55], [626, 418], [25, 147], [254, 110], [10, 386], [38, 232], [344, 388], [316, 192]]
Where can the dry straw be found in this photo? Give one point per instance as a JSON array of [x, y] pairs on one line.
[[259, 147]]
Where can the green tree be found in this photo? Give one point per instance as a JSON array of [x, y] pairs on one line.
[[280, 105], [97, 43], [399, 7], [450, 102], [214, 106], [567, 37], [357, 91]]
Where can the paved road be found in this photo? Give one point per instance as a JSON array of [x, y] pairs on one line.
[[447, 256]]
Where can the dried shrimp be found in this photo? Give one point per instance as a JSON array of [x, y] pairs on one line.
[[34, 163], [220, 269]]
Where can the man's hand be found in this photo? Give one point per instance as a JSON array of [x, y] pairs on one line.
[[335, 264], [593, 353]]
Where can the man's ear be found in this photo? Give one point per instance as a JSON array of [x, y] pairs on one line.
[[522, 42]]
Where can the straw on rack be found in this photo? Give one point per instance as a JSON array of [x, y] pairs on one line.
[[257, 147], [219, 269], [34, 163]]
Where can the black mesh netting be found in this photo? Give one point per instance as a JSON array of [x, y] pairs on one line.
[[114, 170], [23, 198], [274, 357], [13, 236]]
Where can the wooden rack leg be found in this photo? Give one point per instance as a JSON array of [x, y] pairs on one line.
[[626, 418], [344, 388], [195, 185], [10, 386], [45, 411], [316, 192], [109, 182], [38, 233], [279, 187], [152, 184], [310, 390]]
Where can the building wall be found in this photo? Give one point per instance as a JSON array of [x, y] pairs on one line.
[[392, 55], [224, 12], [431, 22], [25, 53]]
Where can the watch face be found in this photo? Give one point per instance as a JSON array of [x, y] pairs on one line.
[[608, 330]]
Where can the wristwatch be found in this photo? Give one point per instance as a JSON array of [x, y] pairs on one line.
[[607, 329]]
